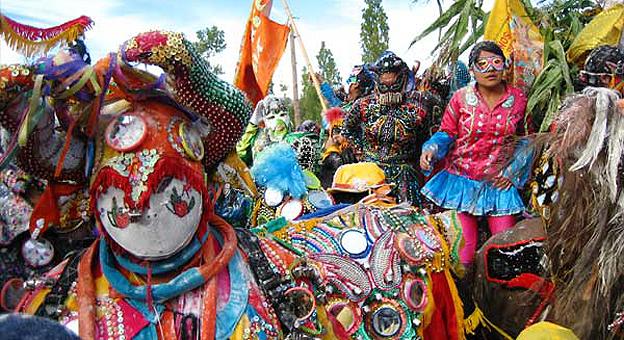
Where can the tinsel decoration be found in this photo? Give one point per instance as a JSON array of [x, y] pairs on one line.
[[29, 40]]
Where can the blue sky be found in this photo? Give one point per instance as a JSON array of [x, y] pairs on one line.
[[337, 22]]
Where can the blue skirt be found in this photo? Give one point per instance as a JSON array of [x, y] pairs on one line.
[[479, 198]]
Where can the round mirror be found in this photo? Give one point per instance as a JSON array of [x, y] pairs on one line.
[[386, 321], [191, 142], [273, 197], [415, 294], [354, 242], [126, 132], [291, 209], [302, 301], [347, 315]]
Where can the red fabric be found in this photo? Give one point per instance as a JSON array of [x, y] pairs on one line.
[[47, 207], [480, 132], [443, 325], [261, 50], [35, 33]]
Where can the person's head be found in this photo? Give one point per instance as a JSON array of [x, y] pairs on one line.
[[360, 83], [487, 62], [309, 126], [604, 67], [393, 76]]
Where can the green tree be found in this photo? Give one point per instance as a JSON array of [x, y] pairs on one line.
[[373, 31], [327, 65], [309, 103], [210, 41]]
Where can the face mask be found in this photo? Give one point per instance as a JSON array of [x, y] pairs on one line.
[[272, 118], [488, 64], [160, 230]]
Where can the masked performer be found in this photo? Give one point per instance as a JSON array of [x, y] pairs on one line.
[[387, 127], [360, 83], [165, 266], [270, 123], [475, 126]]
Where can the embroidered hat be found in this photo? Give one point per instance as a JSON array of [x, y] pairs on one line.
[[358, 177]]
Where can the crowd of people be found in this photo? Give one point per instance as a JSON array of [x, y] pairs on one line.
[[134, 208]]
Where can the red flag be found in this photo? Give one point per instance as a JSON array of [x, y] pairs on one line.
[[262, 47]]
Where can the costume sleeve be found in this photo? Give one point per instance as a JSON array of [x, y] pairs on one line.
[[329, 94], [450, 119], [243, 147], [352, 125], [519, 169], [440, 143]]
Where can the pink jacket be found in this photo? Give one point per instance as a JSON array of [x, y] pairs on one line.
[[479, 132]]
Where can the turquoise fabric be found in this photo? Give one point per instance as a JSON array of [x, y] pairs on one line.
[[479, 198]]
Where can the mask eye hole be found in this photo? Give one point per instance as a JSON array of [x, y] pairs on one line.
[[164, 183]]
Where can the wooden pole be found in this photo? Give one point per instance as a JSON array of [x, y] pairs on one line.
[[315, 81], [295, 86]]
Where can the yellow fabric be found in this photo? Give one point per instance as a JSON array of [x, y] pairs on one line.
[[546, 331], [357, 177], [239, 331], [604, 29], [27, 126], [511, 28], [477, 318]]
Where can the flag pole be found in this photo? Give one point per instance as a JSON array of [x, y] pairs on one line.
[[315, 81]]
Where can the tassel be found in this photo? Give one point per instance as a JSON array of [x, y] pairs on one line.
[[472, 322], [29, 40]]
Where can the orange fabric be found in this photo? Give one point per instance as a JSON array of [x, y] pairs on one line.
[[262, 47], [168, 326], [209, 312], [86, 294]]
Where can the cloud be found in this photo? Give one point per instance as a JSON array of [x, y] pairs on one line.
[[337, 22]]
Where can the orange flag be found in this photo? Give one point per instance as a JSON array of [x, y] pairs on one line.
[[262, 47]]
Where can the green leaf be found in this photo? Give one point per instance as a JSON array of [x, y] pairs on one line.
[[442, 21]]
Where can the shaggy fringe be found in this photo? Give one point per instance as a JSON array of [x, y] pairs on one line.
[[586, 237]]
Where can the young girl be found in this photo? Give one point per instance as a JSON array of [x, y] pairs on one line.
[[478, 120]]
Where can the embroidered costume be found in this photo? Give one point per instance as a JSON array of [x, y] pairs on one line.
[[472, 141], [388, 127]]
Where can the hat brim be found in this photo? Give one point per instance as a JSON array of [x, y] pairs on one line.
[[358, 191]]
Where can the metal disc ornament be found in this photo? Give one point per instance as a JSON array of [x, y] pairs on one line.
[[37, 252], [273, 197], [191, 142], [354, 243], [126, 132], [292, 209]]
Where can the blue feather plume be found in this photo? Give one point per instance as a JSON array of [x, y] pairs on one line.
[[277, 167]]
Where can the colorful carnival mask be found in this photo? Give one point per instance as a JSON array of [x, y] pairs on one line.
[[276, 115], [149, 190], [391, 63]]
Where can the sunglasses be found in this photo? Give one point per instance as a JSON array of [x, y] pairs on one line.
[[488, 64]]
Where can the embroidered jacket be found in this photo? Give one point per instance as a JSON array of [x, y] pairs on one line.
[[479, 132], [388, 134]]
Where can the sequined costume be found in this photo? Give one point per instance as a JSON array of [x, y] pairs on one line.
[[390, 135], [374, 271], [164, 265]]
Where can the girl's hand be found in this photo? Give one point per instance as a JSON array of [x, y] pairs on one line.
[[502, 183], [425, 160]]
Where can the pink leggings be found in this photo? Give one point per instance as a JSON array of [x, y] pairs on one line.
[[497, 225]]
